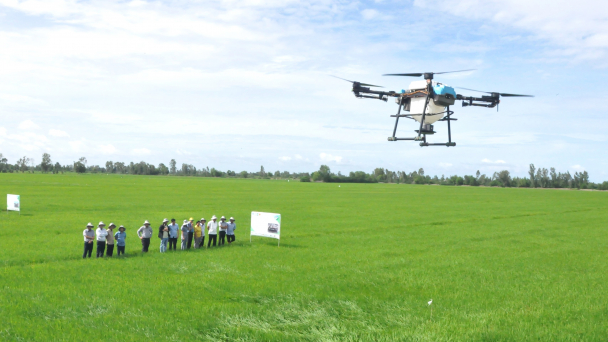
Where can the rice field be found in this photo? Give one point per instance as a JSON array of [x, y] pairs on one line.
[[357, 262]]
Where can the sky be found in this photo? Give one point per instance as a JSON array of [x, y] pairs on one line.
[[236, 84]]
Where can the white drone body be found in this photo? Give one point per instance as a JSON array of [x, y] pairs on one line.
[[433, 112]]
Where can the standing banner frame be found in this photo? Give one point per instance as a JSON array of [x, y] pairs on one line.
[[13, 203], [265, 225]]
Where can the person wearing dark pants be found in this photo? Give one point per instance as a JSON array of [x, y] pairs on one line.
[[230, 231], [199, 233], [120, 237], [190, 232], [102, 234], [173, 231], [110, 240], [89, 237], [223, 228], [163, 235], [145, 233], [212, 230]]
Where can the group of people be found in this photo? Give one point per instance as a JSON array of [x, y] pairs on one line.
[[167, 233]]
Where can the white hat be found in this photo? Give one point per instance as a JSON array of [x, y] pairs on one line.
[[223, 218], [203, 219], [101, 223], [89, 224], [146, 222], [112, 224], [186, 221], [165, 220], [232, 219], [214, 217]]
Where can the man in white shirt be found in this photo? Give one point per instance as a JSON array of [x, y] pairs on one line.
[[89, 236], [101, 233], [145, 233], [223, 228], [212, 229]]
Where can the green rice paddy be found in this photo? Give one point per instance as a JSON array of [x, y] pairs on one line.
[[357, 262]]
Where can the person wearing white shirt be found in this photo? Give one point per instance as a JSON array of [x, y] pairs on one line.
[[101, 233], [223, 228], [230, 231], [173, 231], [145, 233], [89, 236], [212, 229]]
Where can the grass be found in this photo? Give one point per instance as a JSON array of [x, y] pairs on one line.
[[356, 263]]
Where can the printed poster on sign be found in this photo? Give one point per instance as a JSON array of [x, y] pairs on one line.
[[266, 224], [13, 203]]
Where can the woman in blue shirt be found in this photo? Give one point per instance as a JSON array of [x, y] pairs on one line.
[[120, 237]]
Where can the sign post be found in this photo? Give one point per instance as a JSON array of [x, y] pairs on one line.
[[13, 203], [266, 225]]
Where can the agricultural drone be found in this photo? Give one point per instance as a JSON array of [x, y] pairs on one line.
[[427, 102]]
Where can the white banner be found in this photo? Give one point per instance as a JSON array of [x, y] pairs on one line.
[[266, 224], [13, 202]]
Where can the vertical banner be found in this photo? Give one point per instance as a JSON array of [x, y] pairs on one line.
[[266, 225], [13, 203]]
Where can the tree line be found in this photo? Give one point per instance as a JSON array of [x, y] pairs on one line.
[[537, 177]]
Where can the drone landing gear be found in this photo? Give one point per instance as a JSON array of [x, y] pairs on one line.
[[425, 129]]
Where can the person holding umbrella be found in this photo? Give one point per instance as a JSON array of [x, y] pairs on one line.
[[145, 233], [89, 236], [110, 240], [101, 233], [120, 237]]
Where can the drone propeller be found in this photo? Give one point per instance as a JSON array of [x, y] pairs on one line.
[[359, 83], [427, 74], [497, 94]]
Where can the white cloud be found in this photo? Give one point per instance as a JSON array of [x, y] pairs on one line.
[[445, 164], [326, 157], [28, 124], [298, 157], [182, 152], [488, 161], [107, 149], [285, 158], [578, 168], [58, 133], [141, 152], [2, 131]]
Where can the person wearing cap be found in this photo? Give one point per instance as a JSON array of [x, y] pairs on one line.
[[145, 233], [212, 229], [223, 227], [110, 240], [163, 235], [190, 232], [173, 230], [230, 231], [120, 237], [199, 233], [89, 237], [185, 231], [102, 234]]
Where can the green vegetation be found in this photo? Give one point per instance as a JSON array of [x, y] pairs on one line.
[[356, 262]]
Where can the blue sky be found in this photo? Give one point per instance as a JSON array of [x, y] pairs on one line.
[[238, 84]]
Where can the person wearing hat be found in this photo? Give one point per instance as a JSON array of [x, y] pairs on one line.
[[110, 240], [199, 233], [212, 229], [145, 233], [120, 237], [230, 231], [185, 231], [223, 228], [190, 232], [89, 236], [102, 234], [163, 235], [173, 230]]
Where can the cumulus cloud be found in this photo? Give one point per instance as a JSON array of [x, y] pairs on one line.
[[326, 157], [141, 152], [578, 168], [27, 125], [445, 164], [107, 149], [58, 133], [285, 158], [488, 161]]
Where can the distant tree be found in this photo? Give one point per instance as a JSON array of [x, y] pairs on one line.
[[162, 169], [505, 178], [421, 172], [305, 178], [22, 164], [79, 167], [477, 174], [262, 172], [172, 166], [244, 174], [57, 168], [83, 160], [110, 167], [277, 174], [531, 173], [46, 163]]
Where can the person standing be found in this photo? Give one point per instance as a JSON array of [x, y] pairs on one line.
[[223, 228], [230, 231], [190, 232], [101, 233], [163, 235], [110, 240], [173, 231], [212, 229], [185, 231], [120, 237], [89, 237], [199, 233], [145, 233]]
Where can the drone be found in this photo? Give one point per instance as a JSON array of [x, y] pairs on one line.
[[427, 102]]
